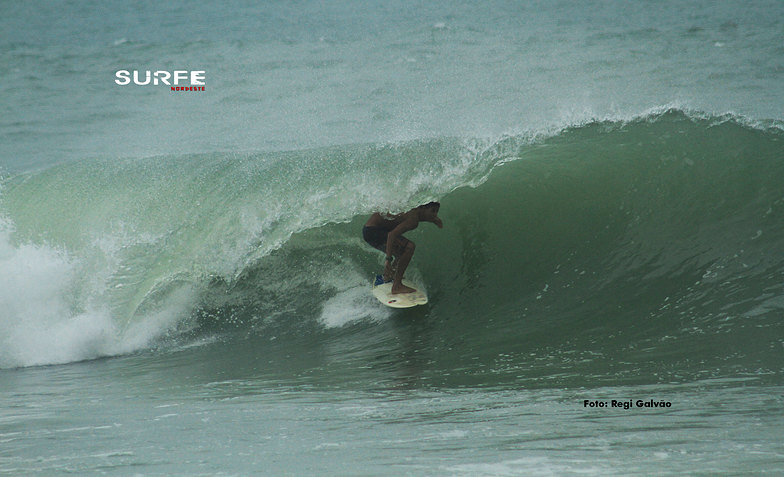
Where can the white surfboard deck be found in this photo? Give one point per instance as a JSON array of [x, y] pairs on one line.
[[400, 300]]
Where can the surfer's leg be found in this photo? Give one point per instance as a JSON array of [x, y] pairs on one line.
[[377, 238], [406, 251]]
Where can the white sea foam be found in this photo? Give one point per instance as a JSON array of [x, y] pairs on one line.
[[352, 301], [50, 315], [352, 305]]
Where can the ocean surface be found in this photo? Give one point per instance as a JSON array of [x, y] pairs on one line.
[[184, 289]]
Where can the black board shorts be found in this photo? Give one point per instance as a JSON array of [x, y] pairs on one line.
[[377, 237]]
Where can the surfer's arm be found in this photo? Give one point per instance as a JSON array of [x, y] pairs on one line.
[[393, 235], [391, 238]]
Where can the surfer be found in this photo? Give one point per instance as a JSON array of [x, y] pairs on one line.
[[385, 233]]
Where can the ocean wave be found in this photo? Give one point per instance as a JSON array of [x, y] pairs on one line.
[[658, 227]]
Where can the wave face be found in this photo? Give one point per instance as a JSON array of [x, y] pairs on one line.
[[635, 248]]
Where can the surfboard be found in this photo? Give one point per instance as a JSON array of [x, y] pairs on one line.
[[383, 292]]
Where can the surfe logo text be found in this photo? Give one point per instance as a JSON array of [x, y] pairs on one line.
[[179, 80]]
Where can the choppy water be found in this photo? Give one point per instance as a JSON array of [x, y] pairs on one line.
[[184, 289]]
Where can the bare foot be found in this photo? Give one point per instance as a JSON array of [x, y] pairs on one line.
[[401, 289]]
